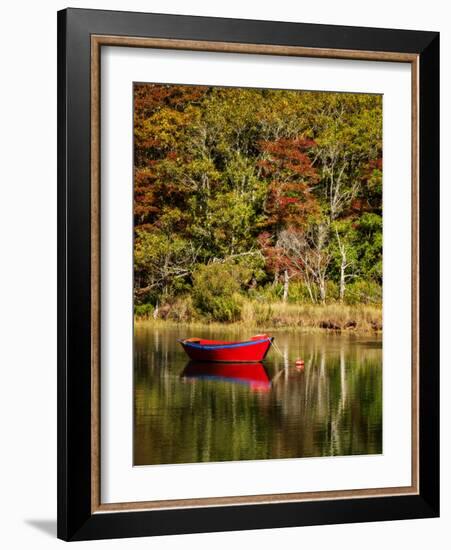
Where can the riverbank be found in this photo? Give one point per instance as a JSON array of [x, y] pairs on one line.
[[269, 317]]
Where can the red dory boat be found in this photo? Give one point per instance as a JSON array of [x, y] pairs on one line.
[[253, 350]]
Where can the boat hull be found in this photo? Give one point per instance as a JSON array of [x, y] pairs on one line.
[[252, 351]]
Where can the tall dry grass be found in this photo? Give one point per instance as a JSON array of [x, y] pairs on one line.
[[337, 317]]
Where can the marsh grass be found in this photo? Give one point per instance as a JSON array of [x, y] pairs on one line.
[[277, 315]]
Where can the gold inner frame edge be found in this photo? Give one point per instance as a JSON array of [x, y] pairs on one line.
[[97, 41]]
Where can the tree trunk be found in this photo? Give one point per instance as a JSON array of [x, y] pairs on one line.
[[342, 276], [286, 282], [343, 266], [322, 290], [309, 289]]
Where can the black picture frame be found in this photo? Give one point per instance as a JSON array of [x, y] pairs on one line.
[[75, 518]]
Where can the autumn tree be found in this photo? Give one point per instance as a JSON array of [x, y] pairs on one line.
[[290, 203]]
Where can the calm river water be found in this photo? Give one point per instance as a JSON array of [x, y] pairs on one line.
[[185, 412]]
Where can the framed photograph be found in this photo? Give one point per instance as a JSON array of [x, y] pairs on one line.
[[248, 274]]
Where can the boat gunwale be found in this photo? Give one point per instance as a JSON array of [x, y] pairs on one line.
[[195, 345]]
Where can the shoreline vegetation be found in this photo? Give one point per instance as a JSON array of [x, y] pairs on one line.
[[337, 318], [258, 208]]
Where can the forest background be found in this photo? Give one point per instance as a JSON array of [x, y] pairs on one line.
[[258, 206]]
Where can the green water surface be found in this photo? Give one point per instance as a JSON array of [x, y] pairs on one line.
[[187, 413]]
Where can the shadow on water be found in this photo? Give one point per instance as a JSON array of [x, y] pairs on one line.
[[198, 412]]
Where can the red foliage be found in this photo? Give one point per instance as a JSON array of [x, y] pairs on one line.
[[287, 163], [145, 207], [289, 155], [151, 97]]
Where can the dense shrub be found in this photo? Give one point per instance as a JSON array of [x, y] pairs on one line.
[[144, 310], [364, 292], [216, 291]]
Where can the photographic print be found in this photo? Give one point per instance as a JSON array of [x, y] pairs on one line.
[[257, 274]]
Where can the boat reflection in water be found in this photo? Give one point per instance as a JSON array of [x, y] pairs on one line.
[[253, 375]]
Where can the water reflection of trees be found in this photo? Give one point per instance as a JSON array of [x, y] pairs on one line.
[[333, 406], [337, 399]]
